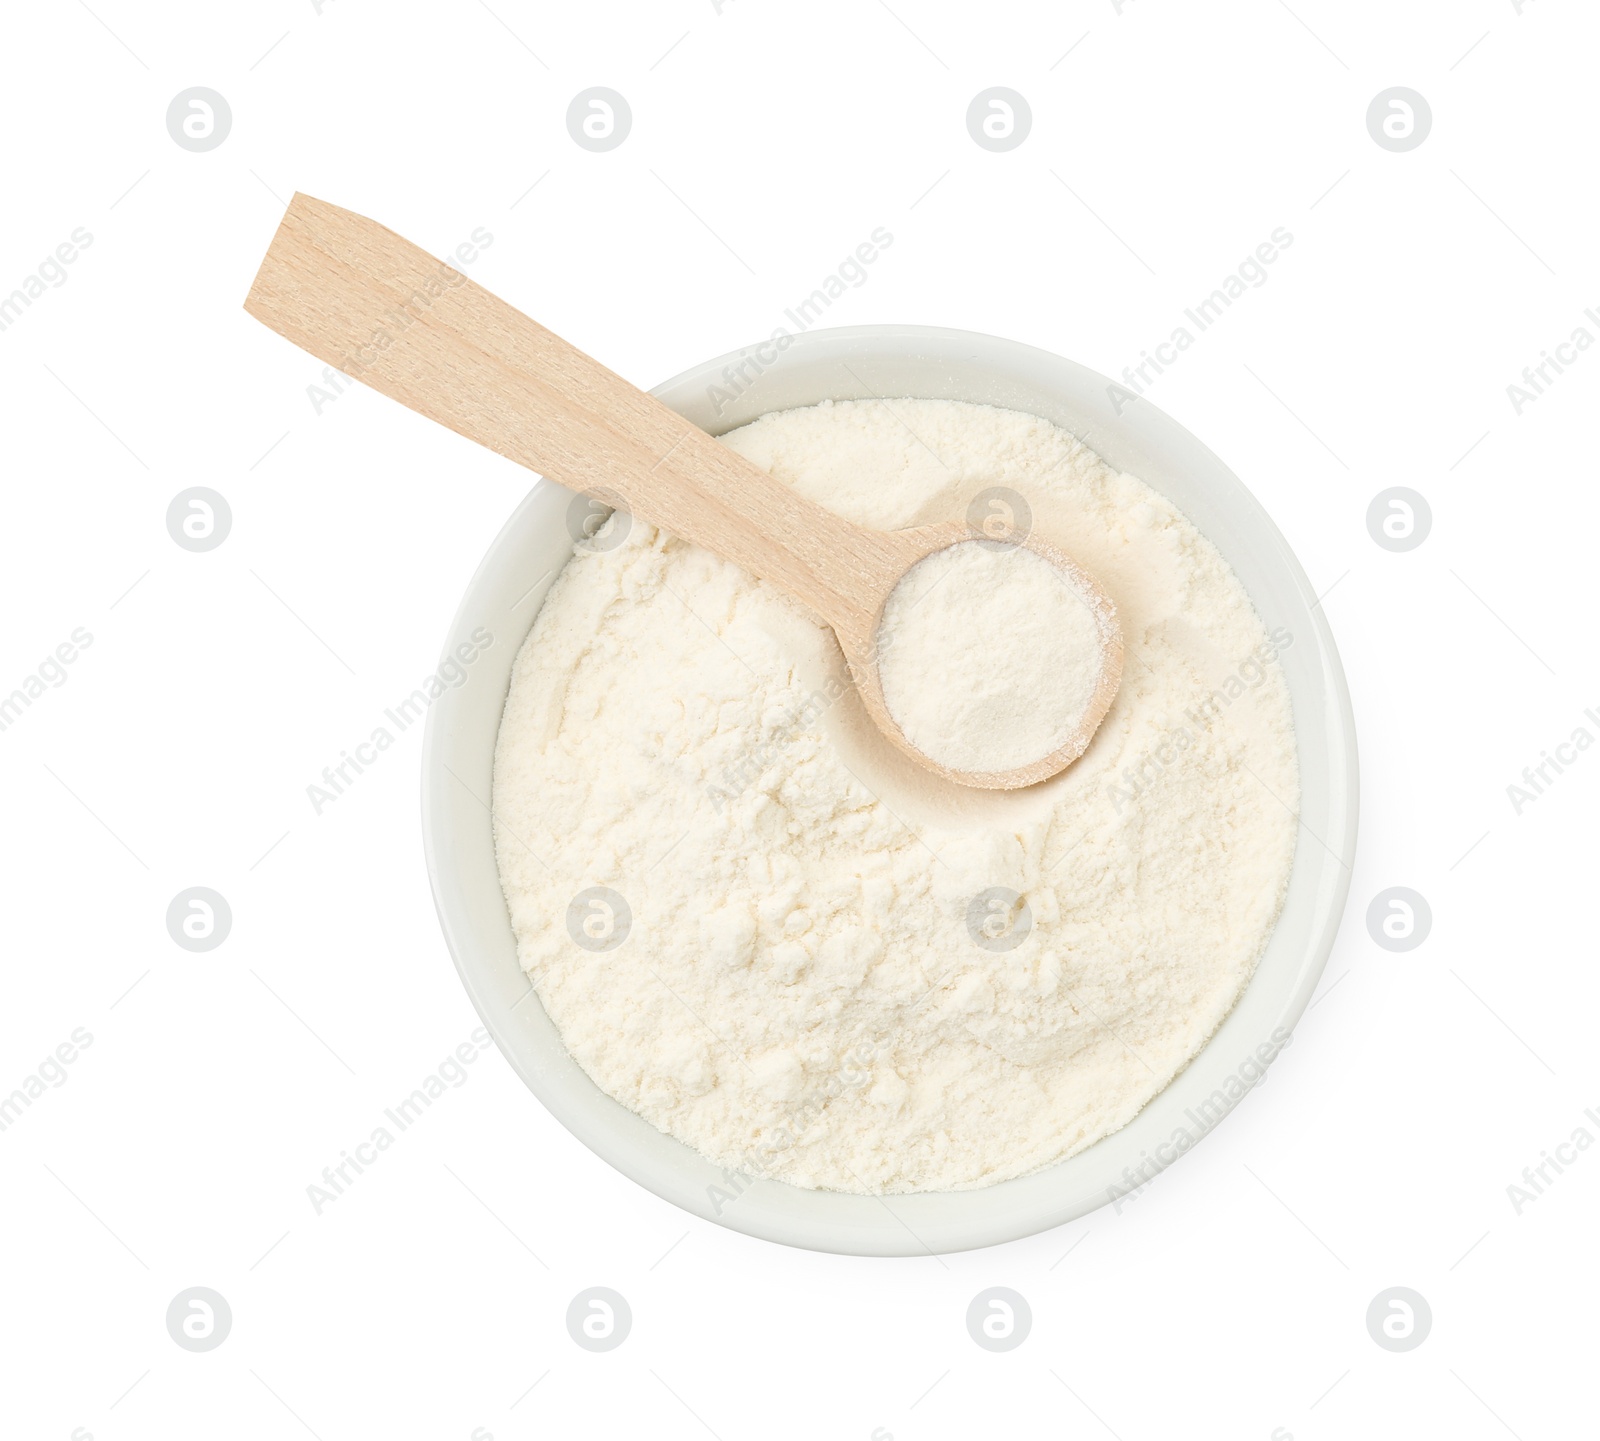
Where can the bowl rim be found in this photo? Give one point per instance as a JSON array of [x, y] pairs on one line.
[[838, 1221]]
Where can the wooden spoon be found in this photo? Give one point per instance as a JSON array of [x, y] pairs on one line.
[[363, 299]]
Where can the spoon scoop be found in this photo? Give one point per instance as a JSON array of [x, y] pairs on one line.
[[360, 298]]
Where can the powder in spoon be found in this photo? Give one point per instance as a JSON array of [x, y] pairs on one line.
[[988, 656]]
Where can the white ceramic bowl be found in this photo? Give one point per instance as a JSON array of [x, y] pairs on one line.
[[853, 364]]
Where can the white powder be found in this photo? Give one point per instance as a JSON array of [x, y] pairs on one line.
[[800, 994], [989, 657]]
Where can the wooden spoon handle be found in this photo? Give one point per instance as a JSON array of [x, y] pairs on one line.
[[363, 299]]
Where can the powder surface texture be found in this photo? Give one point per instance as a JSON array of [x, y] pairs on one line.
[[989, 656], [834, 968]]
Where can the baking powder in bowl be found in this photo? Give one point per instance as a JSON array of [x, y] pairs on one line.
[[781, 941]]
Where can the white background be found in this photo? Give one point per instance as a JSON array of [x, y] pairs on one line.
[[1229, 1299]]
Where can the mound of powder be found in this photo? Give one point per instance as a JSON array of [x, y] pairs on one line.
[[988, 656], [832, 967]]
